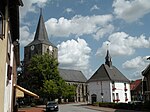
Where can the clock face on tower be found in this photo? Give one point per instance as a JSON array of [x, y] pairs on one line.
[[32, 47], [50, 48]]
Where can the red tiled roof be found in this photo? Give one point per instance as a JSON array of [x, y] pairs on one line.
[[135, 84]]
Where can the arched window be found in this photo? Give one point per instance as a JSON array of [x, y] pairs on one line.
[[1, 25]]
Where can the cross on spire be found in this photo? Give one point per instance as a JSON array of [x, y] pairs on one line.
[[40, 11], [108, 58]]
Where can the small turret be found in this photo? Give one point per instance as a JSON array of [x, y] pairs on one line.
[[108, 59]]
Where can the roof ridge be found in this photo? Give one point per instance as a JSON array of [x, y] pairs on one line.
[[70, 69], [106, 71]]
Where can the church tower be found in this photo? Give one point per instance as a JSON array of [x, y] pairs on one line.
[[108, 59], [40, 44]]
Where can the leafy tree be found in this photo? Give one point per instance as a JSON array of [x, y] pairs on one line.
[[44, 78], [71, 91], [42, 68], [50, 88], [58, 89]]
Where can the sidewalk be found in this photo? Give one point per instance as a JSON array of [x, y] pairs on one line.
[[31, 109], [105, 109]]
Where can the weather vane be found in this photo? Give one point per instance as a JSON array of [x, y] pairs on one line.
[[41, 11], [107, 46]]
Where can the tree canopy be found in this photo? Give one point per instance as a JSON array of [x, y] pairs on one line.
[[44, 78]]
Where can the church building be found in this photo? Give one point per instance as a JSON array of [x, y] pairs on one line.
[[76, 78], [41, 45], [108, 84]]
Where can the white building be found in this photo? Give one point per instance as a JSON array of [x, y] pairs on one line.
[[108, 84]]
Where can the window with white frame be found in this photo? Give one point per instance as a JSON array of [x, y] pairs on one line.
[[113, 96], [117, 95], [125, 86], [126, 97]]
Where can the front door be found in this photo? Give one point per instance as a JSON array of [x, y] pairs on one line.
[[94, 98]]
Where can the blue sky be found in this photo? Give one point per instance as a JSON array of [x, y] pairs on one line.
[[84, 29]]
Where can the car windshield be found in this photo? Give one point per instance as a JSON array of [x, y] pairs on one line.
[[51, 103]]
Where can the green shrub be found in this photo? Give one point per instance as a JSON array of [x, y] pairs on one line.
[[107, 104], [33, 104], [95, 103]]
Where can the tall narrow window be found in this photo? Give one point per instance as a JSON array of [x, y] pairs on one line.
[[9, 72], [117, 97], [125, 87], [9, 45], [126, 98], [1, 25], [113, 96], [113, 86]]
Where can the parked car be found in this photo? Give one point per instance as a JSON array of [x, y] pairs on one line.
[[52, 106]]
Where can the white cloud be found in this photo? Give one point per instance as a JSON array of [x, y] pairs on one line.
[[108, 29], [68, 10], [123, 44], [78, 25], [29, 6], [137, 64], [26, 37], [131, 10], [135, 75], [98, 26], [95, 7], [74, 54]]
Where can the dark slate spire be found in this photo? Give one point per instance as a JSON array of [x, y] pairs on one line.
[[41, 36], [41, 33], [108, 59]]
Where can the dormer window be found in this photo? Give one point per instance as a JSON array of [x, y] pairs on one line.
[[1, 25]]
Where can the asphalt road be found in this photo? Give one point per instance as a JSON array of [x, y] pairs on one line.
[[75, 108]]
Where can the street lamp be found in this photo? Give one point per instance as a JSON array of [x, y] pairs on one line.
[[1, 25], [102, 91], [102, 96]]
